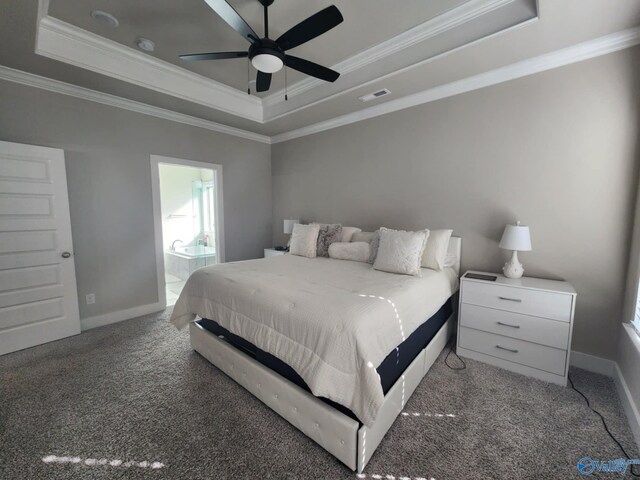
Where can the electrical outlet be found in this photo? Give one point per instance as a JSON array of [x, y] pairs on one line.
[[91, 298]]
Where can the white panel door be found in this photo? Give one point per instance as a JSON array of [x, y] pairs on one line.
[[38, 296]]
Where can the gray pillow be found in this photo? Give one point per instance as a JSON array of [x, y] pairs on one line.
[[328, 234], [375, 244]]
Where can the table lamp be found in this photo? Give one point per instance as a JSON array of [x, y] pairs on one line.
[[515, 237]]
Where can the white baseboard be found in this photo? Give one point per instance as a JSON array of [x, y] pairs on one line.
[[630, 409], [114, 317], [610, 368], [594, 364]]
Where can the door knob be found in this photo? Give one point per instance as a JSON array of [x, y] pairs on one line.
[[66, 254]]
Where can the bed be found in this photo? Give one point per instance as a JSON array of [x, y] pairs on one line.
[[334, 347]]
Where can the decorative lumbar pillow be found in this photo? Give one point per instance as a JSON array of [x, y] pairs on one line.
[[401, 251], [328, 234], [435, 253], [355, 251], [347, 233], [304, 240]]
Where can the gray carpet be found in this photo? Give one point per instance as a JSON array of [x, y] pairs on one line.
[[136, 392]]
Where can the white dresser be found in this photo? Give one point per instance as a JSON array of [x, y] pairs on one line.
[[523, 325], [272, 252]]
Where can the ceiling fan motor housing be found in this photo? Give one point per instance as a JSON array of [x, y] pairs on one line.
[[266, 47]]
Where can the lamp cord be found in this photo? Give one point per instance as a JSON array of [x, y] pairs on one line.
[[604, 424], [451, 345]]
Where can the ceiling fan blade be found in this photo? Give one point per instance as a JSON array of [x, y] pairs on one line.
[[312, 27], [214, 56], [233, 18], [310, 68], [263, 81]]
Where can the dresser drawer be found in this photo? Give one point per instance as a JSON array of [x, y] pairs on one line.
[[533, 355], [520, 300], [515, 325]]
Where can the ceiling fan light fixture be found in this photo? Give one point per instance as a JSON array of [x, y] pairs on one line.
[[267, 63]]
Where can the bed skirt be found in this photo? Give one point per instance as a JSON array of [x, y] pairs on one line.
[[343, 437]]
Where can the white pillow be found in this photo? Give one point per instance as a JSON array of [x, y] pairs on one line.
[[355, 251], [450, 260], [435, 253], [400, 251], [304, 239], [347, 233]]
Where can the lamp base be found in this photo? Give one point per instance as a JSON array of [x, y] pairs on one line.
[[513, 268]]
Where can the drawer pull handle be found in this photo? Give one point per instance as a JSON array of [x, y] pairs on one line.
[[508, 325], [517, 300], [512, 350]]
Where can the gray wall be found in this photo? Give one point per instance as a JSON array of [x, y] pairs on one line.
[[108, 170], [556, 150]]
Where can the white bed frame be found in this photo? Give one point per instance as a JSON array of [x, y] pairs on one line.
[[337, 433]]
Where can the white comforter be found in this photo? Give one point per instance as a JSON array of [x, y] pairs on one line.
[[332, 321]]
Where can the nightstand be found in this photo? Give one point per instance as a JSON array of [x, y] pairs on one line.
[[272, 252], [524, 325]]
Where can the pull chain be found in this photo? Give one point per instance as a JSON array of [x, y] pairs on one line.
[[248, 77], [286, 97]]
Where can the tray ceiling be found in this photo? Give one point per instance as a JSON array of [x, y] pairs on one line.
[[454, 47], [190, 26], [443, 27]]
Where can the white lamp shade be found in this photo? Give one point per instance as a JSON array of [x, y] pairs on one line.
[[267, 63], [516, 237], [288, 225]]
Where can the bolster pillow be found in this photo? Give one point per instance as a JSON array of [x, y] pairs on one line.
[[355, 251]]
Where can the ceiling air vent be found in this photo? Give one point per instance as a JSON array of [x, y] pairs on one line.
[[374, 95]]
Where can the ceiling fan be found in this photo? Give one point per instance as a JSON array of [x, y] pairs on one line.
[[268, 56]]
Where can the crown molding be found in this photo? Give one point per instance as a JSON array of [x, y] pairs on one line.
[[559, 58], [56, 86], [70, 44], [566, 56], [429, 29]]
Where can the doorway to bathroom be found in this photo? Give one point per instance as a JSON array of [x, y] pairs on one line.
[[187, 198]]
